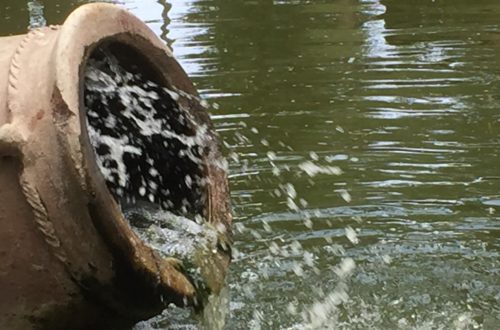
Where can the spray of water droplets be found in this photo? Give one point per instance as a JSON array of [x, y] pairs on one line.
[[147, 147], [150, 153]]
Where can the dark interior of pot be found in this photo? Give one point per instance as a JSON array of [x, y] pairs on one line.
[[147, 146]]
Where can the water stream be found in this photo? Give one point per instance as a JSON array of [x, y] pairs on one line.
[[149, 151]]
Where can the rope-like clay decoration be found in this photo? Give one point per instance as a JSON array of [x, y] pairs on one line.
[[15, 68], [42, 220], [15, 65], [40, 214]]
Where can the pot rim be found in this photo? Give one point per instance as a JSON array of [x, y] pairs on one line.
[[75, 44]]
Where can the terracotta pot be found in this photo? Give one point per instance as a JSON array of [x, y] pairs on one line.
[[68, 258]]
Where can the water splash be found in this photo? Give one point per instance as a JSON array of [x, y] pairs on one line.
[[197, 244], [150, 152], [37, 17]]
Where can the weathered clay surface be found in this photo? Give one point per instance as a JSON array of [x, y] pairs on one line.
[[68, 259]]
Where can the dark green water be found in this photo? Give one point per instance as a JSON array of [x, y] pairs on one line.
[[403, 97]]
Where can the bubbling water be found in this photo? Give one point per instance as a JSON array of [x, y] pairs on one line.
[[146, 145], [150, 152]]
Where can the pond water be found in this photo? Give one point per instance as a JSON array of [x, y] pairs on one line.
[[364, 148]]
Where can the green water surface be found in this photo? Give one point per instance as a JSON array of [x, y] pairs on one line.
[[403, 96]]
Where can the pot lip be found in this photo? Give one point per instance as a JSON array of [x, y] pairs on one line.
[[75, 43], [75, 37]]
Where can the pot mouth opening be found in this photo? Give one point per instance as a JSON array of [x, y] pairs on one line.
[[148, 147]]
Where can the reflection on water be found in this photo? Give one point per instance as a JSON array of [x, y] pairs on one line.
[[403, 98]]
